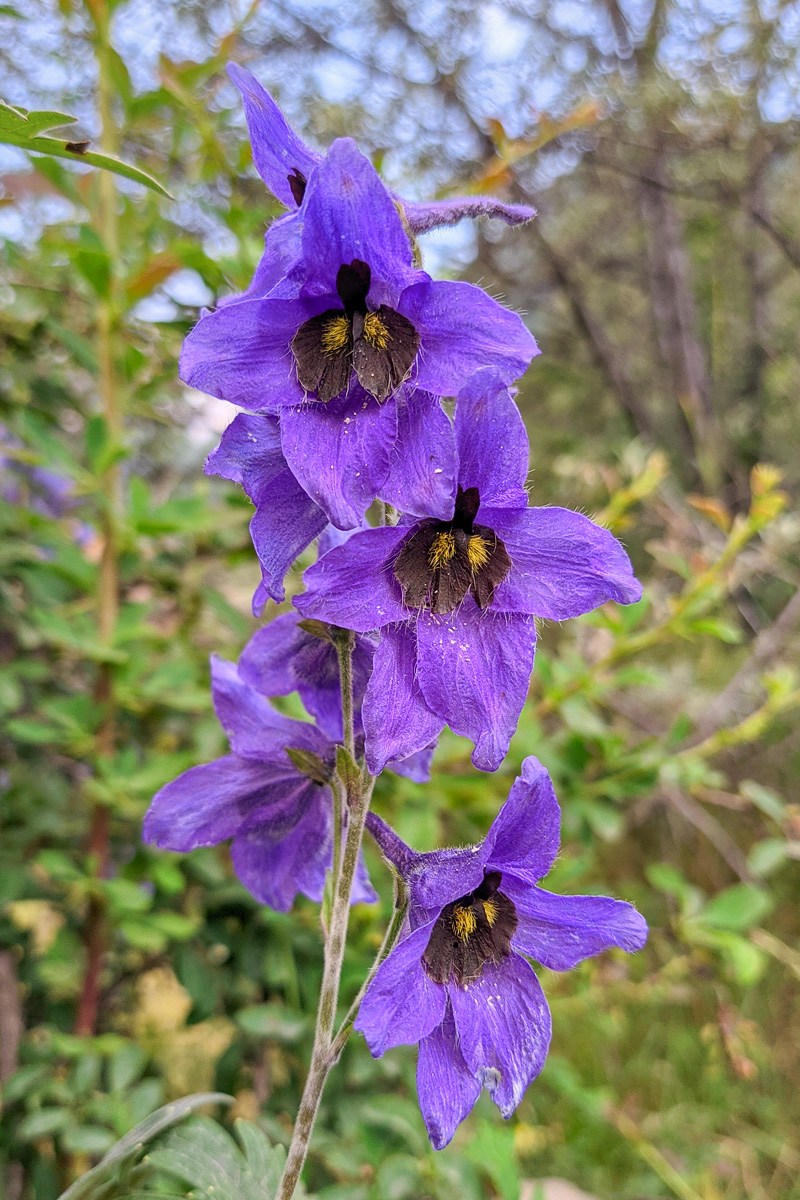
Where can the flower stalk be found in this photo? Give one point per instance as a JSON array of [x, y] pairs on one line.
[[357, 791]]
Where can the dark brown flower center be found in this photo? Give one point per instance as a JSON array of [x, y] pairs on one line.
[[470, 932], [378, 345], [444, 560]]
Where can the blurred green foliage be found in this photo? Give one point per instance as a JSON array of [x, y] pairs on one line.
[[664, 290]]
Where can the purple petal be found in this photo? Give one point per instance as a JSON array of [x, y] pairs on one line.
[[560, 931], [474, 668], [446, 1088], [397, 721], [503, 1027], [462, 329], [422, 472], [525, 833], [275, 862], [285, 522], [492, 443], [423, 217], [249, 453], [333, 537], [391, 846], [207, 804], [353, 585], [286, 519], [564, 564], [316, 668], [340, 452], [260, 598], [362, 891], [254, 728], [435, 878], [266, 663], [417, 767], [349, 214], [282, 250], [402, 1004], [241, 352], [277, 151]]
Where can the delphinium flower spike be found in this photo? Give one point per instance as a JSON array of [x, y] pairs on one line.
[[458, 982]]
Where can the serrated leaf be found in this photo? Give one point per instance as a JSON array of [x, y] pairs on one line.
[[90, 1183], [208, 1159]]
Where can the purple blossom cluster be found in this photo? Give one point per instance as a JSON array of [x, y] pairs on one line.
[[342, 353]]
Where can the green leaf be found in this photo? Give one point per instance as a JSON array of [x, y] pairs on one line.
[[18, 129], [491, 1149], [208, 1160], [133, 1142], [125, 1066], [87, 1139], [43, 1123], [309, 764], [272, 1021], [738, 908], [348, 770], [22, 123]]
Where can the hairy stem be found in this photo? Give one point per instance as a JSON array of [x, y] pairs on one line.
[[344, 641], [358, 792]]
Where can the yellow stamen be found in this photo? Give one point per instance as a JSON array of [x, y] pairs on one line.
[[491, 908], [477, 552], [336, 335], [375, 332], [464, 923], [443, 549]]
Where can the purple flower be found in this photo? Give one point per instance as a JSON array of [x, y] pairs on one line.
[[286, 164], [455, 597], [286, 519], [405, 453], [270, 795], [457, 983], [290, 654], [354, 306], [35, 488]]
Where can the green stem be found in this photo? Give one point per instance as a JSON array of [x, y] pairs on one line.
[[358, 792], [344, 640], [390, 938]]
